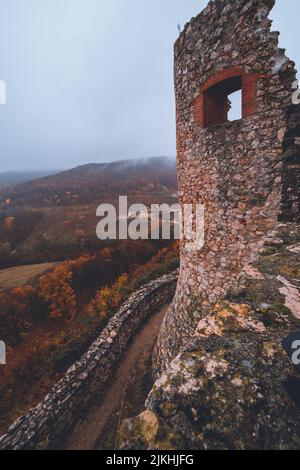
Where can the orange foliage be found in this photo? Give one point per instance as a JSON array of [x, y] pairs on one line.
[[16, 308], [108, 298], [81, 262], [118, 290], [56, 290], [16, 301], [9, 222], [22, 293]]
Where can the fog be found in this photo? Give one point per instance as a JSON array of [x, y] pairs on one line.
[[92, 80]]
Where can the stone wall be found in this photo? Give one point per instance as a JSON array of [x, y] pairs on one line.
[[45, 424], [290, 209], [232, 386], [236, 169]]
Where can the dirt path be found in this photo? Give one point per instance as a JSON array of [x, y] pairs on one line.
[[124, 397]]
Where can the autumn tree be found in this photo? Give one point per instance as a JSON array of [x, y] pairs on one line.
[[56, 290], [119, 290], [16, 312], [9, 222], [108, 298]]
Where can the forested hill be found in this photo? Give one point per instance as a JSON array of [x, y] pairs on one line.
[[90, 183]]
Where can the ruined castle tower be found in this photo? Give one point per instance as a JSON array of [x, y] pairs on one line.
[[245, 172]]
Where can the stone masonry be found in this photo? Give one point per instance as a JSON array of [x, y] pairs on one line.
[[245, 172], [46, 424], [232, 386]]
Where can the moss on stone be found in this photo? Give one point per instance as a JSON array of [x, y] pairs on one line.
[[150, 432]]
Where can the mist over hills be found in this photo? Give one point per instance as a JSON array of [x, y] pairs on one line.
[[54, 217], [92, 182], [12, 178], [48, 238]]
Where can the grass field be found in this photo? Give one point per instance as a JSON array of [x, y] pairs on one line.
[[21, 275]]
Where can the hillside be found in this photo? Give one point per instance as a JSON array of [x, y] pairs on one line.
[[54, 218], [51, 220], [90, 183], [12, 178]]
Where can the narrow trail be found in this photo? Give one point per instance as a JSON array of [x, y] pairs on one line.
[[125, 395]]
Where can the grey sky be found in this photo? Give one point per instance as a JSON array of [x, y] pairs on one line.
[[92, 80]]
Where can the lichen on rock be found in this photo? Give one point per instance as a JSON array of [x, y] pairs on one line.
[[150, 432], [223, 379], [232, 386], [245, 172]]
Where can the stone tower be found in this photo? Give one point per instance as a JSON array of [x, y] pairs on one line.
[[245, 172]]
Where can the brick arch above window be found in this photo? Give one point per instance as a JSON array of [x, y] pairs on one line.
[[211, 104]]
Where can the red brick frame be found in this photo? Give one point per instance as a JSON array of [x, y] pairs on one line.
[[210, 106]]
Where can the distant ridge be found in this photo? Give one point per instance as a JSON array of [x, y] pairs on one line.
[[10, 178], [91, 182]]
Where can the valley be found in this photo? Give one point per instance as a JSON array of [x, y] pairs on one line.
[[59, 284], [54, 218]]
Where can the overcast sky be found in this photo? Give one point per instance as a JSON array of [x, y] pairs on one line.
[[92, 80]]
